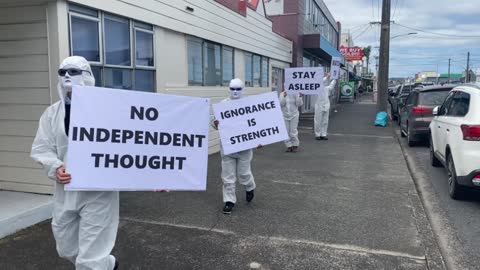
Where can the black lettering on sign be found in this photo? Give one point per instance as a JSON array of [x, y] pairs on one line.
[[140, 113]]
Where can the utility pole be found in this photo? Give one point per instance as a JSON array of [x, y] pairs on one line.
[[467, 76], [384, 57], [449, 61]]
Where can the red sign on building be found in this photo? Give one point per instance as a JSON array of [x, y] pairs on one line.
[[352, 53]]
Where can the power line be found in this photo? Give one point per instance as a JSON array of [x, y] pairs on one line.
[[359, 35], [395, 9], [434, 33]]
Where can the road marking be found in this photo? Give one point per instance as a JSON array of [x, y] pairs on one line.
[[344, 247], [348, 248], [177, 225]]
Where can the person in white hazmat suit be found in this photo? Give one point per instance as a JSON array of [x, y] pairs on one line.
[[236, 165], [84, 223], [322, 109], [289, 104]]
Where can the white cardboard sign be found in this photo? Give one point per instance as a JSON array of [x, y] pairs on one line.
[[335, 68], [250, 121], [128, 140], [304, 80]]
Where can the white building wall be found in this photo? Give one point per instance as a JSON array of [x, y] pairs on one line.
[[24, 94], [209, 20]]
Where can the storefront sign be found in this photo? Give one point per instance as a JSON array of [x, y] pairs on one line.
[[335, 68], [127, 140], [250, 121], [304, 80], [352, 53]]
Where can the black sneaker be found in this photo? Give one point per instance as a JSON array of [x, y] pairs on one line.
[[294, 149], [116, 265], [318, 138], [227, 209], [324, 138], [250, 195]]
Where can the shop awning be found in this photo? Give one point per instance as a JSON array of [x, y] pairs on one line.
[[318, 45]]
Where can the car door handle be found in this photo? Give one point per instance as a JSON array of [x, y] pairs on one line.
[[448, 130], [439, 127]]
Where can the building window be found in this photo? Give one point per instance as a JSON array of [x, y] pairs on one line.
[[126, 59], [227, 65], [85, 38], [195, 69], [209, 64], [265, 73], [256, 70], [248, 70], [212, 64]]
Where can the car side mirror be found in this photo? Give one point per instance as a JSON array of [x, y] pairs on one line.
[[435, 110]]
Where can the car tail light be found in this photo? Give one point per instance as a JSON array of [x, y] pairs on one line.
[[476, 180], [419, 110], [471, 132]]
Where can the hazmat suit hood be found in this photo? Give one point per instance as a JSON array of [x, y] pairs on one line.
[[236, 88], [65, 83]]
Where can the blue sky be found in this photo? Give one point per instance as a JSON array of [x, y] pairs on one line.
[[423, 51]]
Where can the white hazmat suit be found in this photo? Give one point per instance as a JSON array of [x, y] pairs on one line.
[[84, 223], [322, 109], [236, 166], [289, 105]]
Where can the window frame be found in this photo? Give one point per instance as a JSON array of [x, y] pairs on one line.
[[200, 42], [100, 19], [154, 51], [132, 48], [203, 43], [232, 49], [261, 69]]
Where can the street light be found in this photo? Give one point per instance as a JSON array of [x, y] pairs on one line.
[[407, 34]]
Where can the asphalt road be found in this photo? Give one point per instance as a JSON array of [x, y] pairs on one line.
[[345, 203], [461, 218]]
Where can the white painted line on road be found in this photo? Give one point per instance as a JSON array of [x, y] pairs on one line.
[[361, 135], [349, 248], [345, 247], [295, 183], [177, 225]]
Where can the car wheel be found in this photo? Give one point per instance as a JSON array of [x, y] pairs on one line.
[[410, 140], [433, 159], [454, 189]]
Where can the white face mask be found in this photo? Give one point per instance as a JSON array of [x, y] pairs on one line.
[[67, 82], [236, 94]]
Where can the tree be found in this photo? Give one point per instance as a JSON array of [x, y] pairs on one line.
[[366, 53]]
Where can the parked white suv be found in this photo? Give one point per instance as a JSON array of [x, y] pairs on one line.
[[455, 138]]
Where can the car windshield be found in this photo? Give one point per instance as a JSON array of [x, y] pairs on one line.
[[433, 98]]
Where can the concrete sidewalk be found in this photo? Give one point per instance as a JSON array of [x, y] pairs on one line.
[[346, 203]]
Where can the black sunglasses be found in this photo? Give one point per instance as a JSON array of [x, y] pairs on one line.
[[235, 89], [72, 71]]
